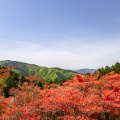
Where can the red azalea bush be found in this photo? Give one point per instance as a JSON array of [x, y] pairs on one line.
[[83, 98]]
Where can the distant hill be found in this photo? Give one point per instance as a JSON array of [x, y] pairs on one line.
[[86, 70], [49, 74]]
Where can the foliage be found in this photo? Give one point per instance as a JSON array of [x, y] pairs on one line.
[[107, 69], [81, 98], [14, 80], [37, 81], [10, 79]]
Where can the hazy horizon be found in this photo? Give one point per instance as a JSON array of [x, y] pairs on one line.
[[70, 34]]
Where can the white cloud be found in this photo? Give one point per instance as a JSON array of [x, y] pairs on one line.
[[67, 55]]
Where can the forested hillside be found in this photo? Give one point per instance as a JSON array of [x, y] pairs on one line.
[[52, 75]]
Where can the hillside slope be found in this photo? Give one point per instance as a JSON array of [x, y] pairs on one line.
[[49, 74]]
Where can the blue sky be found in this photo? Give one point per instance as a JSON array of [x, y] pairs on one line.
[[70, 34]]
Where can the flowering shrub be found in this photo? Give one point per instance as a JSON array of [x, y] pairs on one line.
[[83, 98]]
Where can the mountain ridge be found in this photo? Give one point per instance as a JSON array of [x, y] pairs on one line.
[[49, 74], [86, 70]]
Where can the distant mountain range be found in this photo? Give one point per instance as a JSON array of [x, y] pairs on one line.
[[86, 70], [49, 74]]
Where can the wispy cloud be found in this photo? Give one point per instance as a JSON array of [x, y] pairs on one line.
[[63, 54]]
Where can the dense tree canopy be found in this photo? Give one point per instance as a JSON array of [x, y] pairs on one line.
[[107, 69]]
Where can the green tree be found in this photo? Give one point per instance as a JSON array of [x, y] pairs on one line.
[[13, 81], [107, 69], [116, 68]]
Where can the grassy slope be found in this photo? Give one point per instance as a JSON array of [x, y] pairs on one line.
[[49, 74]]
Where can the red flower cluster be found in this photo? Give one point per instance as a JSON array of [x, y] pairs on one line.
[[83, 98]]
